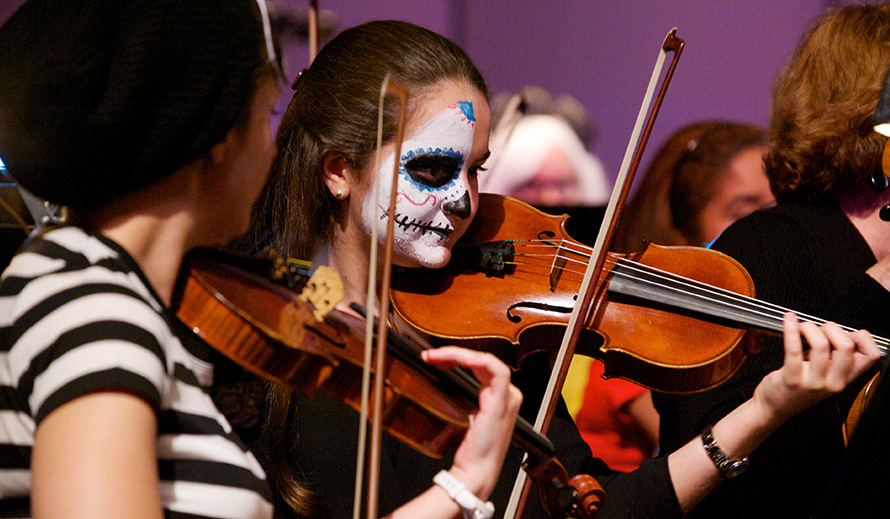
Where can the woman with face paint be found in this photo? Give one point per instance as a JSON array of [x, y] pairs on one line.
[[319, 204]]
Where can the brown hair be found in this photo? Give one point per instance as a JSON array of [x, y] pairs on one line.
[[334, 109], [679, 183], [701, 167], [821, 137]]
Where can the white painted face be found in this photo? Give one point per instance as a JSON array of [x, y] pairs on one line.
[[437, 192]]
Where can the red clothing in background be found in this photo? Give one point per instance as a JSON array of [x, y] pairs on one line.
[[612, 433]]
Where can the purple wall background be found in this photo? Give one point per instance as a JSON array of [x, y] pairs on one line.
[[603, 52]]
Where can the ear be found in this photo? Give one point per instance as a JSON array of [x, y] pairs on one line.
[[338, 175], [219, 153], [220, 163]]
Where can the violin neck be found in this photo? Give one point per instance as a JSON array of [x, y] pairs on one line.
[[457, 381], [661, 288]]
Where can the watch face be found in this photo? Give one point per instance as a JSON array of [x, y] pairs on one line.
[[733, 469]]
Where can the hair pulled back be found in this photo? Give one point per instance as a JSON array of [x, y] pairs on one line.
[[822, 141], [334, 109], [680, 181], [700, 168]]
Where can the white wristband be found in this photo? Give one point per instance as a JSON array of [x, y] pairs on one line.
[[472, 506]]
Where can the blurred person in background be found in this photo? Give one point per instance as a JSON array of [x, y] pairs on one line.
[[703, 178]]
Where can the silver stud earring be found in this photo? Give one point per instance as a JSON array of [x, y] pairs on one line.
[[339, 194]]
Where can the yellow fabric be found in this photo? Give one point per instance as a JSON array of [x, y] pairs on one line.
[[576, 381]]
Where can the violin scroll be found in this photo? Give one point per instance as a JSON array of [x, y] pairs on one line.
[[579, 497], [590, 494]]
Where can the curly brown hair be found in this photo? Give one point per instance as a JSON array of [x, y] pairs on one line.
[[821, 139]]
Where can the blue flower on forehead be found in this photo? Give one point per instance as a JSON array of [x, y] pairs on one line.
[[466, 108], [448, 152]]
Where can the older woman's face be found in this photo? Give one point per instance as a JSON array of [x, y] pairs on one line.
[[437, 194]]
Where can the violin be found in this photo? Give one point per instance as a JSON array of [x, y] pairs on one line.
[[673, 319], [859, 404], [274, 319]]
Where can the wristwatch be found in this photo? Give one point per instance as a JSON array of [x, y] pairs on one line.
[[727, 466]]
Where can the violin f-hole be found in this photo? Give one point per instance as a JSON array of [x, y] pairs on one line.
[[514, 318], [543, 237]]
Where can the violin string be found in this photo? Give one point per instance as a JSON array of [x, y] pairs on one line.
[[716, 291], [734, 301], [712, 294], [421, 341], [721, 297], [685, 286], [307, 268], [407, 330], [728, 298]]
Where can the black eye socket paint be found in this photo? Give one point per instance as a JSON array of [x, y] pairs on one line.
[[432, 170]]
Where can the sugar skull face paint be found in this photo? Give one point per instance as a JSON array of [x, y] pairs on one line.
[[437, 192]]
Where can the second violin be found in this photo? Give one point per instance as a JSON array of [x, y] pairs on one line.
[[672, 319]]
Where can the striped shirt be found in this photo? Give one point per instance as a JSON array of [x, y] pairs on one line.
[[78, 316]]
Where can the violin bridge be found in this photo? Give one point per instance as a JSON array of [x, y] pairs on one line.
[[559, 263], [324, 291]]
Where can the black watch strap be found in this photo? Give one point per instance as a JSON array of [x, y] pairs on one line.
[[727, 466]]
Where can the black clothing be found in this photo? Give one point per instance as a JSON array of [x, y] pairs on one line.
[[324, 436], [325, 447], [854, 489], [811, 259]]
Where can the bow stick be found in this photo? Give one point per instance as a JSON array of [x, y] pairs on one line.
[[313, 29], [388, 88], [500, 136], [629, 166]]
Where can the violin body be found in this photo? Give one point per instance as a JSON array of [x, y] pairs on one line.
[[858, 407], [267, 329], [524, 308], [271, 330]]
